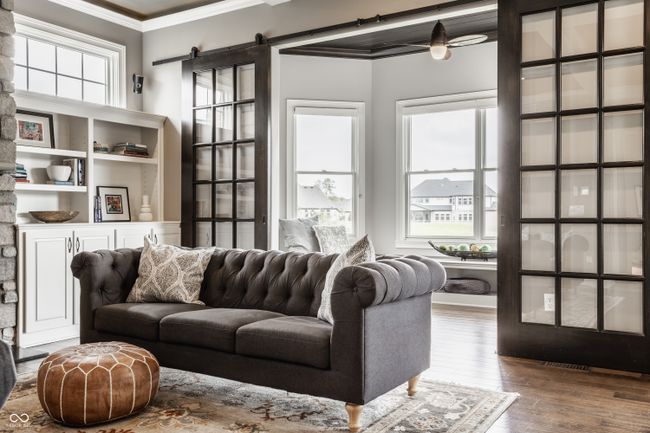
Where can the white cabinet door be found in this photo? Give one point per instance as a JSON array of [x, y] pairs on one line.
[[132, 237], [48, 284], [90, 240], [168, 234]]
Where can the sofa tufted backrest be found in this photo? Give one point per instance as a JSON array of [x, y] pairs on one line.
[[287, 283]]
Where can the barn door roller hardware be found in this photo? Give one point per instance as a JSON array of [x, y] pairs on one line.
[[195, 52]]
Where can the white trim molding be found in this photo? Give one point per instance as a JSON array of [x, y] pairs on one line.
[[114, 53], [170, 20], [355, 110], [481, 99]]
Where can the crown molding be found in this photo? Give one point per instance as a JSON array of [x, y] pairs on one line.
[[177, 18], [102, 13]]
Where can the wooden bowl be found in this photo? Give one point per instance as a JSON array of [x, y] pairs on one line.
[[54, 216]]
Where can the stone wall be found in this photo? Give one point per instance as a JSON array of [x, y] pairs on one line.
[[8, 294]]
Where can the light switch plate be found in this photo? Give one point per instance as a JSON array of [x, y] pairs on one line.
[[549, 301]]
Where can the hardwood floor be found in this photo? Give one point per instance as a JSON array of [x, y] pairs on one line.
[[552, 399]]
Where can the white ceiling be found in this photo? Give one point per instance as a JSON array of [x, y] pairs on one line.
[[145, 9]]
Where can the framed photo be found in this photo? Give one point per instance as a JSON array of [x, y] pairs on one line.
[[34, 129], [115, 204]]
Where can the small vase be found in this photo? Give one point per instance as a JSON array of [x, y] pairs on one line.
[[145, 210]]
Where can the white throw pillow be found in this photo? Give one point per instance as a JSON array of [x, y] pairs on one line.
[[362, 251], [332, 239], [298, 235], [170, 274]]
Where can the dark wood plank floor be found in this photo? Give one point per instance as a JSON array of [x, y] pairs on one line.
[[552, 400]]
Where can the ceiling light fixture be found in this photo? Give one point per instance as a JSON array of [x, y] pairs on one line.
[[440, 44]]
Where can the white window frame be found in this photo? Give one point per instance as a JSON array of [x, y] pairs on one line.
[[461, 101], [357, 111], [114, 53]]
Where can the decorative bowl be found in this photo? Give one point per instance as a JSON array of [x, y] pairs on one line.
[[464, 255], [54, 216], [59, 173]]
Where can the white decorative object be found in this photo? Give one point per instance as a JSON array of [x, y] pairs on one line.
[[145, 210], [59, 173]]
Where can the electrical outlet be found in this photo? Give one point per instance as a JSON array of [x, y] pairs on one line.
[[549, 301]]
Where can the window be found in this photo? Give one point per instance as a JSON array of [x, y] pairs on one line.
[[448, 161], [59, 62], [325, 155]]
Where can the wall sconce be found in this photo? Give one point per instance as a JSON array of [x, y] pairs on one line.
[[138, 82]]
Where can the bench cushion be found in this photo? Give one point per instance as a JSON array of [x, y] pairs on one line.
[[137, 320], [214, 328], [298, 339]]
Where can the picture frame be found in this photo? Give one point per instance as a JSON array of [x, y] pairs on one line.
[[34, 129], [115, 205]]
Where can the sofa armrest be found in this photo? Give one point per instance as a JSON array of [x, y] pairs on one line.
[[105, 277], [389, 280]]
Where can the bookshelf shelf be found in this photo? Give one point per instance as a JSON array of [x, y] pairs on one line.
[[49, 188], [122, 158], [65, 153]]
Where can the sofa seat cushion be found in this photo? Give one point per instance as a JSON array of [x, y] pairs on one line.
[[297, 339], [213, 328], [137, 320]]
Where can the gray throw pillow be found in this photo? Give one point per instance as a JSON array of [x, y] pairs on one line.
[[170, 274], [332, 239], [298, 235], [362, 251]]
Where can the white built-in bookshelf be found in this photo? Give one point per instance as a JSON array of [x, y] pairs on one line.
[[76, 126]]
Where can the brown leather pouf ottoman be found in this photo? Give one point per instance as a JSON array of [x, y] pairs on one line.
[[97, 382]]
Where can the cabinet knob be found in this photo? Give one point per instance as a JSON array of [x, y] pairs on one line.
[[69, 245], [78, 244], [155, 238]]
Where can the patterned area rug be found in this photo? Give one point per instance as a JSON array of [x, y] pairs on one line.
[[196, 403]]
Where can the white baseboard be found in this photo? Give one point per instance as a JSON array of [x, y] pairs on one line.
[[481, 301]]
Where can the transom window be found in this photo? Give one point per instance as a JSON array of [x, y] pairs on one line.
[[56, 61], [326, 139], [448, 167]]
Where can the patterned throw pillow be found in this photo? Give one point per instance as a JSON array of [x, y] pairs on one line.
[[362, 251], [332, 239], [170, 274]]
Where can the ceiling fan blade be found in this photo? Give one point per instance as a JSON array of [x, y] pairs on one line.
[[463, 41], [410, 45]]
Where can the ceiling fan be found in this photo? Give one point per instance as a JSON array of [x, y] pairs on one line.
[[440, 44]]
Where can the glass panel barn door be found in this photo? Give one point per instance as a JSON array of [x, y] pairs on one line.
[[225, 138], [572, 98]]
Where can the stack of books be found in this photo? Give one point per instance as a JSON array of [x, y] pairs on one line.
[[78, 175], [100, 148], [131, 149], [20, 174]]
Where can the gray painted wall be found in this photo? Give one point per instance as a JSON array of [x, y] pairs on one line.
[[71, 19], [162, 90]]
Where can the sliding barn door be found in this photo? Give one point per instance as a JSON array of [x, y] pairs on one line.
[[225, 141], [574, 191]]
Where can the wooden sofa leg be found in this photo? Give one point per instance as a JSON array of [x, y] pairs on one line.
[[413, 384], [354, 416]]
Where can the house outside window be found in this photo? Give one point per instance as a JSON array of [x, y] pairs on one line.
[[325, 156], [447, 160], [56, 61]]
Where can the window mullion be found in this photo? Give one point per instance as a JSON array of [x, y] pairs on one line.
[[478, 173]]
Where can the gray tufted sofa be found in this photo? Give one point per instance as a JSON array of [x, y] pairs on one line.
[[259, 321]]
